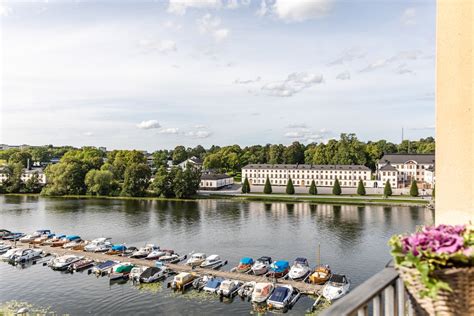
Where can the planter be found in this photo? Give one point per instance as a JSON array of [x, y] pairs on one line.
[[459, 301]]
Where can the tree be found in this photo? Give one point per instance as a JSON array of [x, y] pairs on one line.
[[163, 183], [290, 189], [101, 182], [186, 182], [33, 184], [20, 157], [13, 182], [313, 190], [361, 188], [268, 187], [179, 155], [336, 188], [136, 180], [387, 190], [294, 153], [246, 186], [414, 188]]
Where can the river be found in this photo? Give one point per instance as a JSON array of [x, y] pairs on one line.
[[353, 241]]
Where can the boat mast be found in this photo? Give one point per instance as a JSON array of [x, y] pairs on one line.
[[319, 254]]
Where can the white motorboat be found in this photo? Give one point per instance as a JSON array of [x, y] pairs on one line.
[[196, 259], [174, 258], [136, 272], [53, 239], [99, 245], [200, 282], [34, 235], [9, 253], [262, 265], [4, 247], [283, 297], [158, 253], [152, 274], [73, 243], [63, 262], [337, 286], [26, 254], [247, 289], [212, 262], [300, 269], [229, 288], [212, 285], [262, 292], [144, 251]]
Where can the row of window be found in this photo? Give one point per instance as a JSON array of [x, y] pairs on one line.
[[306, 171], [308, 183], [330, 177]]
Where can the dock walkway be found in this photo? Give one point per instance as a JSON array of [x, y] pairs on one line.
[[305, 288]]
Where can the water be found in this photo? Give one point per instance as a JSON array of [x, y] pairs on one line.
[[353, 241]]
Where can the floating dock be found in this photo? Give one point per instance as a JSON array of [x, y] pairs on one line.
[[302, 287]]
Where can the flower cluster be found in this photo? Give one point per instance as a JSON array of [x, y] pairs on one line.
[[442, 239]]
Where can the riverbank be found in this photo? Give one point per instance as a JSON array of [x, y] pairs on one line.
[[320, 199]]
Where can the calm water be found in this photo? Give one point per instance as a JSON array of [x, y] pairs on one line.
[[353, 241]]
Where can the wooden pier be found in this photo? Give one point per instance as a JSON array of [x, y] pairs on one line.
[[304, 288]]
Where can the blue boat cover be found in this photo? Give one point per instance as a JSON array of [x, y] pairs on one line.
[[72, 237], [119, 248], [246, 260], [214, 283], [279, 294], [60, 236], [106, 264], [280, 266]]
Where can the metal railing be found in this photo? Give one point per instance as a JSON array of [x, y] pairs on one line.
[[382, 294]]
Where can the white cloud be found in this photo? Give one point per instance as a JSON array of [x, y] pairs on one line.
[[344, 75], [88, 134], [409, 16], [293, 84], [209, 24], [5, 10], [172, 25], [247, 81], [263, 10], [297, 11], [375, 65], [403, 69], [199, 134], [150, 124], [308, 136], [294, 134], [347, 56], [297, 125], [163, 46], [404, 55], [169, 130], [179, 7]]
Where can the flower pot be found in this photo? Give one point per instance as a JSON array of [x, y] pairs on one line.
[[459, 301]]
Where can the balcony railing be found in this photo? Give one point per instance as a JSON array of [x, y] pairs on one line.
[[382, 294]]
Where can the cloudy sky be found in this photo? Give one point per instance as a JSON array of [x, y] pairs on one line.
[[155, 74]]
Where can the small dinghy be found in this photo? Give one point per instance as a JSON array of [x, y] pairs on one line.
[[283, 297], [212, 262], [262, 292], [262, 265], [247, 289], [337, 286], [81, 265], [120, 271], [244, 266], [212, 285], [320, 275], [278, 269], [152, 274], [104, 267], [196, 259], [299, 270], [229, 288], [63, 262]]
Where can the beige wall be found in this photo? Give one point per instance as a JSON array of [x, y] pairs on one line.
[[454, 115]]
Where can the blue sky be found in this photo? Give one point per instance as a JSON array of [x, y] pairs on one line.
[[155, 74]]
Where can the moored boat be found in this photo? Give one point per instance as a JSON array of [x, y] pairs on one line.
[[121, 271], [4, 247], [81, 265], [196, 259], [212, 285], [247, 289], [299, 270], [98, 245], [26, 254], [262, 292], [31, 237], [337, 286], [103, 267], [229, 288], [152, 274], [144, 251], [116, 250], [245, 265], [320, 275], [63, 262], [67, 239], [212, 262], [174, 258], [9, 253], [4, 233], [55, 238], [13, 236], [283, 297], [158, 253], [182, 280], [41, 239], [278, 269], [262, 265]]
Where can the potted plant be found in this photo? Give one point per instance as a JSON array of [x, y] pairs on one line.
[[436, 264]]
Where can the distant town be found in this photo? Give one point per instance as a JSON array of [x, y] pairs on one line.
[[347, 163]]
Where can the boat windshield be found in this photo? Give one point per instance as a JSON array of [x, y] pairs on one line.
[[280, 294]]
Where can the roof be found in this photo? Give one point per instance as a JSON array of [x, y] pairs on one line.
[[388, 167], [214, 176], [193, 160], [305, 167], [402, 158]]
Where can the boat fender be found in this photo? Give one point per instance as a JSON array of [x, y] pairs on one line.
[[34, 262], [168, 285], [45, 264], [89, 271], [225, 262]]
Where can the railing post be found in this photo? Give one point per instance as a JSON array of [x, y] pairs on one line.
[[377, 306], [400, 297], [389, 306]]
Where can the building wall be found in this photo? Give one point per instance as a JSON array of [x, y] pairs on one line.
[[391, 176], [407, 172], [25, 177], [216, 184], [454, 113]]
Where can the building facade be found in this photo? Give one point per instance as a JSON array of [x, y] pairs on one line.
[[407, 167], [26, 175], [303, 174], [214, 181]]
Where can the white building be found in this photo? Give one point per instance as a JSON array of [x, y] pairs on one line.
[[212, 181], [407, 167], [193, 162], [302, 175], [26, 175]]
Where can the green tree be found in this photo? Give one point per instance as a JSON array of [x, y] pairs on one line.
[[294, 153], [65, 177], [186, 182], [163, 182], [360, 188], [268, 187], [33, 184], [290, 189], [101, 182], [179, 155], [246, 186], [414, 188], [336, 188], [313, 190], [13, 182], [136, 180], [387, 190], [22, 157]]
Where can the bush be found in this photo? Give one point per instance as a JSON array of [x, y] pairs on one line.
[[268, 187], [387, 190], [246, 186], [313, 190], [336, 189], [414, 189], [361, 188], [290, 189]]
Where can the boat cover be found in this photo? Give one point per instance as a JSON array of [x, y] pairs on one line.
[[124, 268], [60, 236], [301, 260], [214, 283], [279, 294], [119, 248], [72, 237], [265, 259], [246, 260], [44, 231], [106, 264], [149, 272], [338, 278], [280, 266]]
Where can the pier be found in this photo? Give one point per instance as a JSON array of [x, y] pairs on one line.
[[304, 288]]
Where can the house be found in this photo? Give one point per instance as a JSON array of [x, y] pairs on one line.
[[214, 181], [193, 162], [408, 167], [304, 174], [26, 175]]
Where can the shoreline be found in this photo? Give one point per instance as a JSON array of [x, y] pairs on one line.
[[318, 199]]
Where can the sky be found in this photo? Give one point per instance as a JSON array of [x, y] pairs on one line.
[[155, 74]]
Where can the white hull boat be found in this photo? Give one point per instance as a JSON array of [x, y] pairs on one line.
[[144, 251], [337, 286], [229, 288], [261, 266], [98, 245], [299, 270], [262, 292], [212, 262], [196, 259], [26, 254], [63, 262]]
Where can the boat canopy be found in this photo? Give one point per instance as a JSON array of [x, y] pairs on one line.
[[44, 231], [338, 278], [214, 283], [60, 236], [279, 294], [72, 237], [119, 248], [106, 264], [126, 268], [149, 272], [246, 260], [265, 259], [301, 260], [280, 266]]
